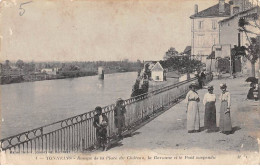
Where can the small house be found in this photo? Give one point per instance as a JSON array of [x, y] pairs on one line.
[[157, 72], [50, 71]]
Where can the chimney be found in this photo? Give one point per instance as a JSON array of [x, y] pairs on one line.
[[196, 9], [221, 6], [231, 3]]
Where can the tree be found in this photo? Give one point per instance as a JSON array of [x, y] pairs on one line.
[[147, 71], [252, 48], [236, 53], [172, 52], [182, 64], [245, 24], [253, 53], [19, 64]]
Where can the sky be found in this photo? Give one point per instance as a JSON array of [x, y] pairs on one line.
[[93, 30]]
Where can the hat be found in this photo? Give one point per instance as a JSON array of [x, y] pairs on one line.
[[119, 100], [210, 87], [193, 84], [223, 85]]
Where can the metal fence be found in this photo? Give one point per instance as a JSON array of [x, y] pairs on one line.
[[78, 133]]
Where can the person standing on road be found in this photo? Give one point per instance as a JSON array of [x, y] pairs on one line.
[[200, 81], [193, 118], [119, 115], [225, 119], [203, 79], [210, 110]]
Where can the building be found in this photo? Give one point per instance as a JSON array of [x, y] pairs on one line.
[[50, 71], [229, 27], [205, 29], [157, 72], [230, 32], [215, 32]]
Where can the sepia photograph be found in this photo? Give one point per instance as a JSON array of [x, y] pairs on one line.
[[129, 82]]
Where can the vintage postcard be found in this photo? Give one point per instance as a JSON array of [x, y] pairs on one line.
[[129, 82]]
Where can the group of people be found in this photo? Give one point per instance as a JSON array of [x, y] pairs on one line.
[[209, 100], [193, 116], [101, 123]]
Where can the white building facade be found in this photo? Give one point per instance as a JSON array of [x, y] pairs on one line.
[[157, 72], [207, 36], [205, 29]]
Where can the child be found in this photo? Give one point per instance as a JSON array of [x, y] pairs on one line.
[[100, 123]]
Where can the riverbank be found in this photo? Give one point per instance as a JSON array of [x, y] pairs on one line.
[[9, 79]]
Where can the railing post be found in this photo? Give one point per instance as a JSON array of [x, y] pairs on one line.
[[42, 137], [1, 147], [83, 144]]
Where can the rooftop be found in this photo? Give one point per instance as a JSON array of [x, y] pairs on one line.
[[212, 11], [249, 12], [157, 67], [187, 50]]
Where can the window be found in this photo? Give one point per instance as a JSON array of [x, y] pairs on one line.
[[214, 38], [200, 24], [200, 40], [200, 52], [214, 24]]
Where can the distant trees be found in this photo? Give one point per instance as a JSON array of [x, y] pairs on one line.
[[84, 66], [29, 68]]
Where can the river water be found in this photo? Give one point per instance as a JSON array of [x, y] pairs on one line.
[[29, 105]]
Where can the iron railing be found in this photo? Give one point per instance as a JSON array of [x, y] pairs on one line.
[[78, 133]]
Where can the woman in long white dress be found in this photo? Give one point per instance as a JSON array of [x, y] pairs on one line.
[[193, 117]]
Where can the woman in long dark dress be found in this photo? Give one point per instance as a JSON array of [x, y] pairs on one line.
[[210, 110], [250, 94], [225, 119]]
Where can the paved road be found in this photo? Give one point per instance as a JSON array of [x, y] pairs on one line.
[[167, 133]]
